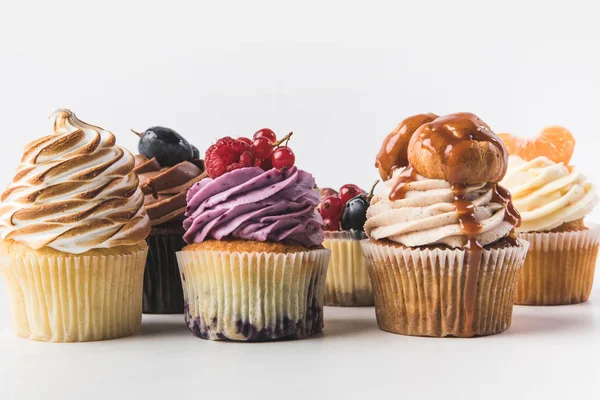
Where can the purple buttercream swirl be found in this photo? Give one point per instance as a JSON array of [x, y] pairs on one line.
[[253, 204]]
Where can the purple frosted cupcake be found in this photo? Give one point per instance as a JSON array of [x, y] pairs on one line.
[[255, 267]]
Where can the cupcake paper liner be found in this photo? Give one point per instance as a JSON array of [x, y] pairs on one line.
[[162, 282], [253, 296], [422, 292], [559, 268], [75, 298], [348, 283]]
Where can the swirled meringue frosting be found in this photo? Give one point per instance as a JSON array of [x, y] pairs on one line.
[[74, 191], [253, 204], [426, 214], [548, 194], [165, 188]]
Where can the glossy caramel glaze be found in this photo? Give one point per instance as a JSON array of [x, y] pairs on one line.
[[394, 150], [459, 148]]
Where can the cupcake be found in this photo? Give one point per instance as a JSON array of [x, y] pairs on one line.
[[73, 229], [255, 267], [344, 215], [167, 167], [553, 199], [441, 252]]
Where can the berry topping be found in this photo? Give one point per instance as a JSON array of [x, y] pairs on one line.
[[226, 155], [331, 207], [245, 140], [554, 142], [327, 192], [266, 133], [348, 192], [167, 146], [331, 224], [266, 164], [283, 158], [355, 213], [195, 152], [262, 148]]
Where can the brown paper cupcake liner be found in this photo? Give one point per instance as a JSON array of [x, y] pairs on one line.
[[75, 298], [559, 268], [423, 292], [162, 282], [253, 296], [348, 283]]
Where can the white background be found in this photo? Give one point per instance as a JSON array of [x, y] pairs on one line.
[[340, 75]]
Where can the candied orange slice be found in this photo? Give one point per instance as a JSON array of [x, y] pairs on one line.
[[555, 142]]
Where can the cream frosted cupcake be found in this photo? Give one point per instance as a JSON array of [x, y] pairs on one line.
[[254, 269], [73, 226], [441, 251], [553, 200]]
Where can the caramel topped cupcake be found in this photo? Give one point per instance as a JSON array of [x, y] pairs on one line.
[[167, 167], [73, 229], [443, 229], [553, 198]]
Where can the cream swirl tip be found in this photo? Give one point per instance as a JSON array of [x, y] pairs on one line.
[[548, 194], [74, 191]]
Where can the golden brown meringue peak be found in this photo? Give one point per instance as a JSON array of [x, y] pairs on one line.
[[74, 191]]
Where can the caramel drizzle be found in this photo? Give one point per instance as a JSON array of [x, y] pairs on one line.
[[445, 136]]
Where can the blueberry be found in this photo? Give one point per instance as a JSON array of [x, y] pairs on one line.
[[354, 215], [167, 146], [196, 153]]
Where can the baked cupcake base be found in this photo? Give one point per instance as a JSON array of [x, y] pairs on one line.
[[422, 291], [253, 291], [163, 293], [348, 283], [559, 268], [61, 297]]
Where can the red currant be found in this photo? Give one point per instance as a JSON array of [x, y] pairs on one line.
[[283, 158], [349, 191], [331, 224], [331, 207], [262, 148], [266, 164], [266, 133], [245, 140], [327, 192]]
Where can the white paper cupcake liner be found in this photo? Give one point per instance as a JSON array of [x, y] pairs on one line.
[[253, 296], [422, 292], [559, 268], [75, 298], [348, 283]]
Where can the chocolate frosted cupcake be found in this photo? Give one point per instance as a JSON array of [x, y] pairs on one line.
[[73, 230], [553, 199], [442, 255], [254, 269], [165, 184]]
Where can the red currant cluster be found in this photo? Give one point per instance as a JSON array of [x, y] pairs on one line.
[[263, 150], [332, 205]]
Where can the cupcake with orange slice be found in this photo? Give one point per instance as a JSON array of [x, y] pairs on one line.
[[553, 199]]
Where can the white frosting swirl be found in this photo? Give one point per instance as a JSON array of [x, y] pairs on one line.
[[426, 215], [547, 194], [74, 191]]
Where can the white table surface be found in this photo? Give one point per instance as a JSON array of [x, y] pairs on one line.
[[548, 353]]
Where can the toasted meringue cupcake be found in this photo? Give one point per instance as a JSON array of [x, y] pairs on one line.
[[165, 188], [441, 253], [255, 267], [553, 200], [73, 229]]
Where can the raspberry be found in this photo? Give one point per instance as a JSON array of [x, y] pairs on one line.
[[226, 155]]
